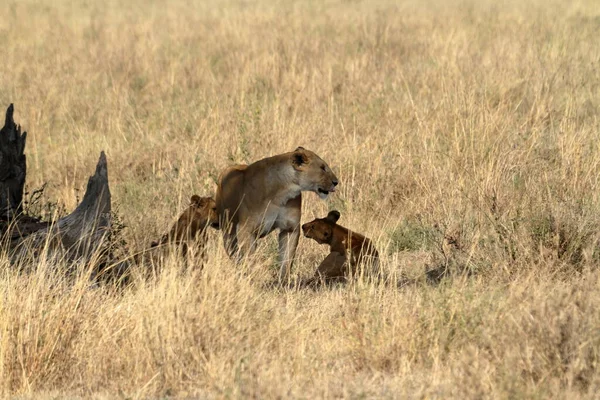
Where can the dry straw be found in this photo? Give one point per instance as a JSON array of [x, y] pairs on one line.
[[465, 135]]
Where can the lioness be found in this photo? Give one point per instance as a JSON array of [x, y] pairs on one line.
[[192, 225], [253, 200], [348, 249]]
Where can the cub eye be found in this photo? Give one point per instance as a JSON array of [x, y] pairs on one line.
[[326, 234], [322, 167]]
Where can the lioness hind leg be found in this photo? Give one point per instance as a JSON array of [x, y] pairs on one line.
[[245, 241], [288, 242], [230, 243]]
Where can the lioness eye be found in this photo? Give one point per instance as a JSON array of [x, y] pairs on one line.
[[323, 167]]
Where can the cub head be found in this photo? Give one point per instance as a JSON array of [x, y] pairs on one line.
[[313, 173], [321, 229], [202, 211]]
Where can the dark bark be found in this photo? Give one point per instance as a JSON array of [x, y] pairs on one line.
[[13, 167]]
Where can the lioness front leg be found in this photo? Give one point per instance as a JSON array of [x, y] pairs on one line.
[[288, 241]]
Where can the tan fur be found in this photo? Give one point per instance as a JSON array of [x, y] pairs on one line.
[[253, 200], [348, 249], [192, 225]]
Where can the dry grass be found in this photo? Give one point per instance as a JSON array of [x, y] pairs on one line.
[[465, 136]]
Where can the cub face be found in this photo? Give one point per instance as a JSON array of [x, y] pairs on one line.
[[313, 173], [202, 212], [321, 229]]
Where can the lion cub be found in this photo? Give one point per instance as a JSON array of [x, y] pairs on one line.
[[348, 249], [192, 225]]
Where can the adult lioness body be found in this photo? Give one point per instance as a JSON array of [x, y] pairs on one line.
[[254, 200]]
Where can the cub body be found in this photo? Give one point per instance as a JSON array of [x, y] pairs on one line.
[[348, 249], [192, 225]]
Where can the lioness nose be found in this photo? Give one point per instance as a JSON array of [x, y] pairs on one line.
[[334, 182]]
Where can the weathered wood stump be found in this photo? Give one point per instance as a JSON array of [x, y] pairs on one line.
[[80, 234], [84, 231]]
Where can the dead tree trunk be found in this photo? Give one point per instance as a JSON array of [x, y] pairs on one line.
[[13, 167], [84, 231], [80, 233]]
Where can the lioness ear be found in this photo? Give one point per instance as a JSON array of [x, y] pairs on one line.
[[299, 148], [333, 216], [299, 157]]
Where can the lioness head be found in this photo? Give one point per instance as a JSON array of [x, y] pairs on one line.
[[321, 229], [202, 212], [313, 173]]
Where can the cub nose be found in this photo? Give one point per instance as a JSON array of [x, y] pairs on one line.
[[334, 182]]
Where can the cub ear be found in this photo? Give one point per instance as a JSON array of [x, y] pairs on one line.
[[299, 157], [333, 216], [199, 202], [299, 148], [195, 199]]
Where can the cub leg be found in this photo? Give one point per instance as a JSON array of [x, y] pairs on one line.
[[333, 266]]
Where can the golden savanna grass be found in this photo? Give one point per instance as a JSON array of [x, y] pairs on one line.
[[466, 138]]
